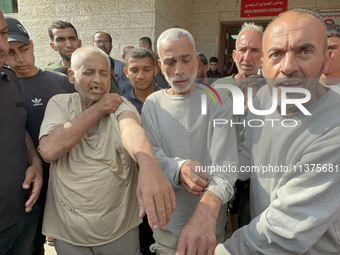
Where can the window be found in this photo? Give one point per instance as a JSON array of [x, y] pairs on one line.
[[9, 6]]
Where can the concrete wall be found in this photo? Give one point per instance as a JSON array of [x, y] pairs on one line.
[[128, 20], [172, 13], [209, 14]]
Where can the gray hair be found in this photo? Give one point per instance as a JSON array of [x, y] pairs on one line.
[[139, 53], [333, 30], [174, 34], [79, 54], [251, 27]]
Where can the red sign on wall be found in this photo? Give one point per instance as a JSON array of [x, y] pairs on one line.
[[255, 8]]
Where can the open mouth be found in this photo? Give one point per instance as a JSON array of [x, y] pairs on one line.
[[96, 89], [289, 83], [180, 82]]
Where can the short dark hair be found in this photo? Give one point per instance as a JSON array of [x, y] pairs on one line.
[[139, 53], [146, 41], [333, 30], [101, 32], [59, 24], [213, 59]]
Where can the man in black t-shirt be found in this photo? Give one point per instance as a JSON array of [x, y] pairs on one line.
[[20, 165], [37, 87]]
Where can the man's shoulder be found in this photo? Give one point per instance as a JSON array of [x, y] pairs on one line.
[[119, 63], [226, 80], [53, 66], [53, 74], [57, 67], [157, 94], [9, 75]]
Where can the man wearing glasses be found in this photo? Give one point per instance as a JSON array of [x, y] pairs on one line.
[[103, 41]]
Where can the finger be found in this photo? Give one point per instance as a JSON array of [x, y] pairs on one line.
[[28, 180], [200, 183], [31, 200], [204, 175], [149, 208], [211, 250], [173, 200], [190, 182], [192, 192], [160, 211], [181, 247], [141, 205], [168, 207]]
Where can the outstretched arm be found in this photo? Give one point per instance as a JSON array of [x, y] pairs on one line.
[[155, 195]]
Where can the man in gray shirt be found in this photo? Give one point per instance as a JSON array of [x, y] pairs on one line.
[[194, 155], [293, 162]]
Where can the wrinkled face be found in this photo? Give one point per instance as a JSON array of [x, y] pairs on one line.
[[141, 72], [65, 42], [178, 63], [213, 66], [102, 41], [91, 78], [248, 53], [334, 61], [294, 53], [202, 69], [3, 40], [21, 59]]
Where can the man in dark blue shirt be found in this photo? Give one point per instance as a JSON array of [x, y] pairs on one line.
[[141, 70]]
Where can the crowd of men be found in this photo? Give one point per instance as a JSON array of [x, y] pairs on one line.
[[158, 169]]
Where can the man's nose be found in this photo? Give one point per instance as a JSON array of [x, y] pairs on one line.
[[289, 64]]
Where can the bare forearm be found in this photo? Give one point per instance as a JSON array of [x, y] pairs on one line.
[[32, 154], [135, 140], [209, 204], [66, 136]]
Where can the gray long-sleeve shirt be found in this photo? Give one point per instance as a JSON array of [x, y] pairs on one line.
[[179, 132], [295, 211]]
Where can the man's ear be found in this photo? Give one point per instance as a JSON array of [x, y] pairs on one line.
[[52, 46], [160, 65], [328, 62], [70, 74], [156, 71], [80, 42], [233, 55], [126, 72], [197, 61], [31, 43], [205, 68]]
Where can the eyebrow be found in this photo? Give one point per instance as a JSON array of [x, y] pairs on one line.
[[182, 56], [301, 46], [22, 46], [5, 28]]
